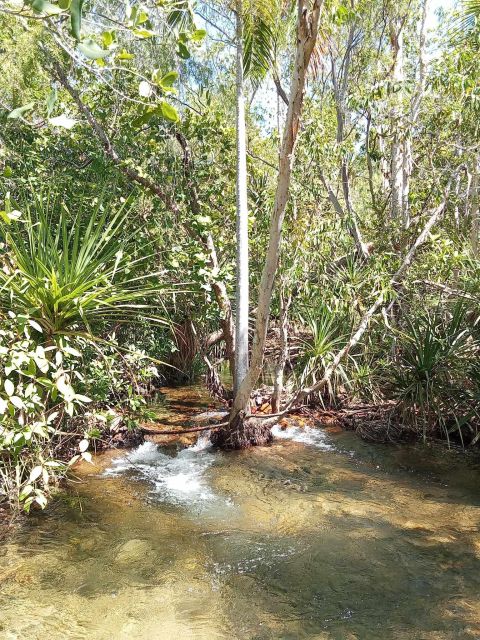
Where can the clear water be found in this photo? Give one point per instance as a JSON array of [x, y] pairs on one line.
[[319, 536]]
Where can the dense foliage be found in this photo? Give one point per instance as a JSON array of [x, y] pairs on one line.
[[118, 253]]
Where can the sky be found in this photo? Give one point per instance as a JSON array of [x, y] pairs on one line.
[[433, 5]]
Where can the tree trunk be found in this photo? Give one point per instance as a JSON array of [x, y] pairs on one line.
[[242, 428], [397, 157], [242, 291], [475, 210], [340, 90], [414, 113], [384, 165], [283, 355]]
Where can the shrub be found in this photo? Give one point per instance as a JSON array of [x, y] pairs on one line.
[[36, 392], [435, 374], [63, 280]]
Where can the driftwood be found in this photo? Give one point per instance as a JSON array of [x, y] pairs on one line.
[[181, 432]]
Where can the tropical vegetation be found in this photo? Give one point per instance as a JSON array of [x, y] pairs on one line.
[[186, 183]]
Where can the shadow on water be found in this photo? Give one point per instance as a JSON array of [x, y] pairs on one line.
[[316, 537]]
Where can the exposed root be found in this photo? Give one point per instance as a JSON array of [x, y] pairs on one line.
[[243, 433], [377, 423]]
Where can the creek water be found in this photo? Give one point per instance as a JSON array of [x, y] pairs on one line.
[[319, 536]]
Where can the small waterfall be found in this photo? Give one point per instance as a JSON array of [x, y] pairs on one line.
[[308, 435], [178, 479]]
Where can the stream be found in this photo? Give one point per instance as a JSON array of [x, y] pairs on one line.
[[319, 536]]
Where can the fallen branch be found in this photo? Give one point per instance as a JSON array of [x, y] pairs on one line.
[[448, 290], [180, 432]]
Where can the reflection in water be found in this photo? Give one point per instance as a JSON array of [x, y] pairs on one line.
[[299, 540]]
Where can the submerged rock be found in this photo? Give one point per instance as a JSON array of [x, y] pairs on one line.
[[134, 551]]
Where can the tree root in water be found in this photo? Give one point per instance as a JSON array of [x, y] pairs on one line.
[[244, 432]]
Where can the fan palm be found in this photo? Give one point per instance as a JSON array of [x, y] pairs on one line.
[[67, 273], [466, 23]]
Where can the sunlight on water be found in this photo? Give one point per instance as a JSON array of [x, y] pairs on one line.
[[296, 541]]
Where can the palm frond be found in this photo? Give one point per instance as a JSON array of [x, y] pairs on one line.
[[466, 24], [67, 271]]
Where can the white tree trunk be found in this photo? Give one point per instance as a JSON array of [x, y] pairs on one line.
[[283, 355], [414, 113], [397, 158], [340, 90], [384, 164], [307, 31], [475, 210], [242, 290]]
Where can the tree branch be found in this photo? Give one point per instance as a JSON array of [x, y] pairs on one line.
[[379, 304]]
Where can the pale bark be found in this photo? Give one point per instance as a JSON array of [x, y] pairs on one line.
[[307, 31], [369, 162], [414, 113], [378, 305], [456, 212], [340, 89], [397, 157], [475, 210], [361, 247], [384, 164], [468, 192], [242, 290], [283, 355]]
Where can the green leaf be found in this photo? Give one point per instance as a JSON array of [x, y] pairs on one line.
[[167, 81], [17, 402], [183, 51], [80, 398], [107, 38], [198, 35], [7, 172], [145, 117], [51, 100], [19, 111], [76, 18], [10, 216], [63, 121], [26, 491], [35, 473], [92, 50], [124, 55], [37, 327], [41, 500], [46, 8], [9, 387], [145, 89], [143, 33], [169, 112]]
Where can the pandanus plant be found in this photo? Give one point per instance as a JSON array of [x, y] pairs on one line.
[[68, 273]]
